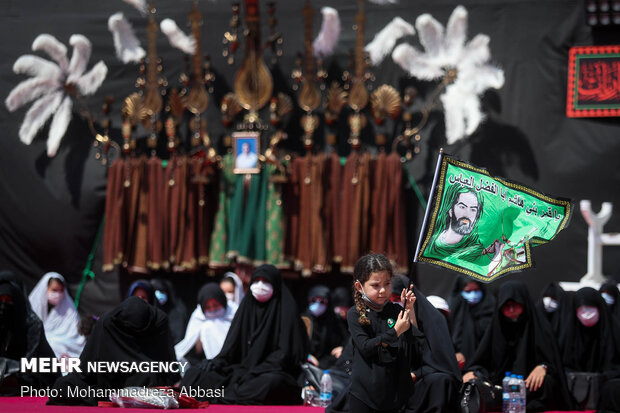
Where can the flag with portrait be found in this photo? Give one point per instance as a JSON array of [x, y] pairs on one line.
[[485, 226]]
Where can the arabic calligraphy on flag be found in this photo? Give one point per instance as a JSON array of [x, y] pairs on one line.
[[484, 226]]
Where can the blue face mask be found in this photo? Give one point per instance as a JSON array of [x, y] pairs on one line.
[[472, 297], [317, 309], [609, 299], [162, 297]]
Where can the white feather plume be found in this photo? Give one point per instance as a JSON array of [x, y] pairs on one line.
[[47, 85], [329, 34], [90, 82], [416, 63], [38, 114], [79, 59], [36, 66], [431, 34], [444, 51], [29, 90], [176, 37], [59, 125], [54, 48], [456, 30], [140, 5], [477, 50], [384, 41], [126, 43]]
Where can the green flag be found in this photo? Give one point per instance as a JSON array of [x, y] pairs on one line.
[[484, 226]]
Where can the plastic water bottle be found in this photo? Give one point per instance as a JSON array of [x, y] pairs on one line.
[[326, 389], [505, 393], [514, 393], [522, 394]]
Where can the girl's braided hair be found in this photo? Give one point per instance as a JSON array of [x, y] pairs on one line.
[[365, 266]]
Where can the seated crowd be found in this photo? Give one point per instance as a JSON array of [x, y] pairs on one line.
[[387, 345]]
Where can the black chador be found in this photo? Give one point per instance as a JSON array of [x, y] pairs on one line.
[[134, 331], [594, 348], [519, 347], [469, 320], [260, 361], [21, 335], [327, 332]]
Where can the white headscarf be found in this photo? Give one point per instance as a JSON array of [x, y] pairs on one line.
[[61, 322], [238, 286], [211, 332]]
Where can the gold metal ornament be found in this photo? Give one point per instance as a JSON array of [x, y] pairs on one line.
[[385, 101]]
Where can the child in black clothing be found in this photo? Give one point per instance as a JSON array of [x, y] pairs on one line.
[[381, 378]]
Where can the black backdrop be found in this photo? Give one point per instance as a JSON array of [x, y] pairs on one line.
[[50, 209]]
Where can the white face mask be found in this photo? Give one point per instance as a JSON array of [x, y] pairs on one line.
[[587, 315], [230, 296], [54, 297], [262, 291], [210, 315], [550, 304]]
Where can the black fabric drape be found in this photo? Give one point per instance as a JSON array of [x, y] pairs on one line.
[[519, 346]]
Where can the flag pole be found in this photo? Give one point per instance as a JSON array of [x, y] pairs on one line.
[[428, 205]]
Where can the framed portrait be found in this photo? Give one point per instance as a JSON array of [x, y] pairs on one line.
[[593, 81], [246, 147]]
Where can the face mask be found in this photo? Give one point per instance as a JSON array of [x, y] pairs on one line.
[[230, 296], [550, 304], [472, 297], [210, 315], [162, 297], [262, 291], [317, 309], [54, 297], [587, 315], [609, 299], [373, 306]]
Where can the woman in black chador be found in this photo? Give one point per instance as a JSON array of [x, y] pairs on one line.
[[589, 342], [261, 358], [21, 335], [435, 371], [328, 338], [551, 303], [134, 331], [611, 295], [167, 300], [521, 341], [471, 309]]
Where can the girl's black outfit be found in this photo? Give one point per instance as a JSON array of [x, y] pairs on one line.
[[381, 376]]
